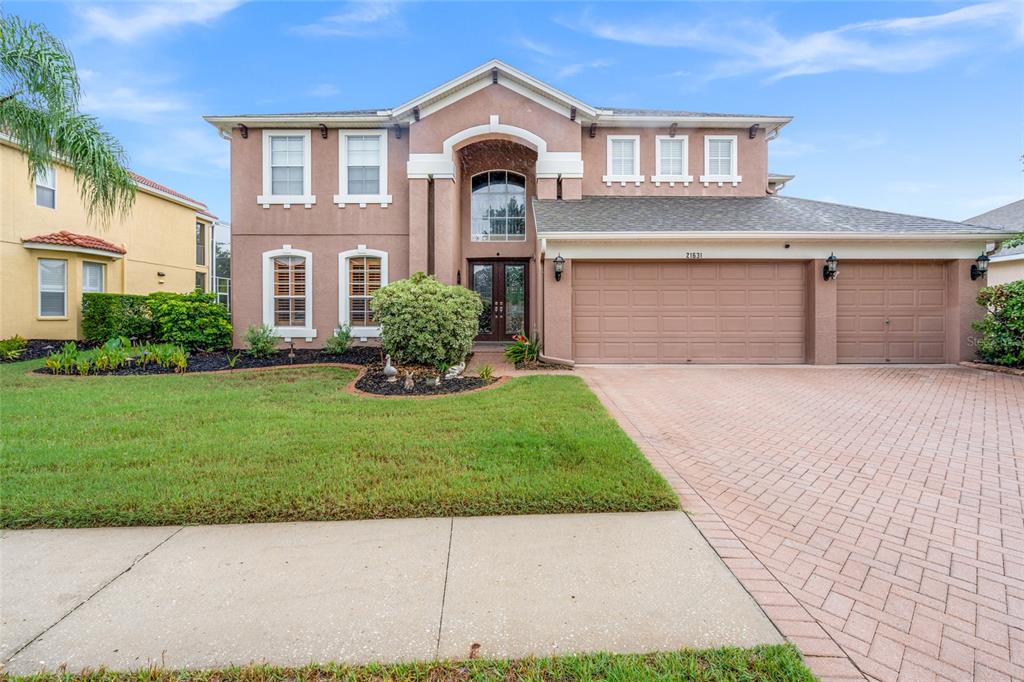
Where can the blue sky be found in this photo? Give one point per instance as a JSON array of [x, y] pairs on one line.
[[912, 107]]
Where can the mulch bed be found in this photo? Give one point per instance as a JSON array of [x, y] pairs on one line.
[[40, 348], [374, 381], [200, 361]]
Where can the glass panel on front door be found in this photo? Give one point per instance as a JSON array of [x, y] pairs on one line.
[[515, 299], [483, 284]]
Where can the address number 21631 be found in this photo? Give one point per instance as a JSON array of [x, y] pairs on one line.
[[694, 255]]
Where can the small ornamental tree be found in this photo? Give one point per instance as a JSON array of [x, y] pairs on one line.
[[1001, 339], [426, 322]]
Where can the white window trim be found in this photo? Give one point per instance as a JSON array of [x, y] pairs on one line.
[[635, 178], [103, 276], [343, 197], [268, 198], [660, 177], [54, 188], [39, 290], [733, 177], [287, 333], [362, 333]]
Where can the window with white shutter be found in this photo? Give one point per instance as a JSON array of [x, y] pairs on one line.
[[361, 273], [287, 292], [93, 277], [623, 159], [53, 287], [46, 188], [672, 162], [362, 168], [720, 159]]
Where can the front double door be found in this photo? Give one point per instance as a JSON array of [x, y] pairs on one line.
[[502, 286]]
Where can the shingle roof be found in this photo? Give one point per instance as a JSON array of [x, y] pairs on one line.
[[1010, 217], [730, 214], [625, 111], [153, 184], [82, 241]]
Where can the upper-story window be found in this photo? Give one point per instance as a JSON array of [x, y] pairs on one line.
[[288, 292], [623, 160], [363, 168], [200, 243], [46, 188], [287, 177], [498, 206], [720, 160], [672, 162]]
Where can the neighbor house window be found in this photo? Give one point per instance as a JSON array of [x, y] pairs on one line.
[[671, 164], [363, 168], [94, 277], [498, 206], [361, 272], [200, 244], [201, 281], [286, 168], [720, 161], [623, 159], [53, 287], [46, 188], [287, 292]]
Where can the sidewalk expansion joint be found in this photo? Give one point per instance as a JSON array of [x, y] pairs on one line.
[[444, 591]]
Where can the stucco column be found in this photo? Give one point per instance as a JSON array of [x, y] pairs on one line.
[[557, 307], [417, 225], [821, 315], [446, 230], [962, 309]]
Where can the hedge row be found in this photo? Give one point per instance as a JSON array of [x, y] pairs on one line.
[[195, 320]]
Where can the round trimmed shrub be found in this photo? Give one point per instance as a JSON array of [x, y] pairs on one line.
[[426, 322]]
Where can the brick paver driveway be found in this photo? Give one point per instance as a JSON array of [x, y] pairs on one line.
[[874, 513]]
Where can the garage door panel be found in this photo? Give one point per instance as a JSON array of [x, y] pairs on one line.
[[691, 312], [891, 312]]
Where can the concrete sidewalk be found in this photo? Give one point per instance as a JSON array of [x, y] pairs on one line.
[[361, 591]]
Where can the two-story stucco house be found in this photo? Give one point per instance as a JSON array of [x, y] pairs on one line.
[[618, 235], [51, 253]]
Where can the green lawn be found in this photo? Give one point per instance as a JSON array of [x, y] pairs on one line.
[[776, 663], [291, 445]]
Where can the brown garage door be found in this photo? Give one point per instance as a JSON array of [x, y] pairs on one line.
[[686, 311], [891, 312]]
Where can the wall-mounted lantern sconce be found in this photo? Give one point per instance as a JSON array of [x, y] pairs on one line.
[[559, 267], [980, 267], [831, 268]]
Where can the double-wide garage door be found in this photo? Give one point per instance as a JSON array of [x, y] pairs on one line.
[[754, 312], [689, 311]]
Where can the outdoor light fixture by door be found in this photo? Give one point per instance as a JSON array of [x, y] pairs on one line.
[[559, 266], [831, 268], [980, 267]]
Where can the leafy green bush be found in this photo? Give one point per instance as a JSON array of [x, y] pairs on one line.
[[426, 322], [1002, 329], [12, 348], [523, 350], [195, 320], [106, 316], [261, 340], [63, 361], [337, 343]]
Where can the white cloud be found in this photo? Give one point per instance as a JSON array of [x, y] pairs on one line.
[[127, 102], [536, 47], [192, 150], [359, 20], [574, 69], [324, 90], [112, 22], [892, 45]]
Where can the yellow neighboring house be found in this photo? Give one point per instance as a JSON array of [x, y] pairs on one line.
[[50, 253]]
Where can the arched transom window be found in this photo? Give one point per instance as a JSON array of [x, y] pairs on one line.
[[498, 207]]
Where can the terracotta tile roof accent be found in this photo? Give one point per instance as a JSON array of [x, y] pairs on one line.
[[81, 241], [153, 184]]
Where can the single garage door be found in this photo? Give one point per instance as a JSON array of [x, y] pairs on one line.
[[891, 312], [689, 311]]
